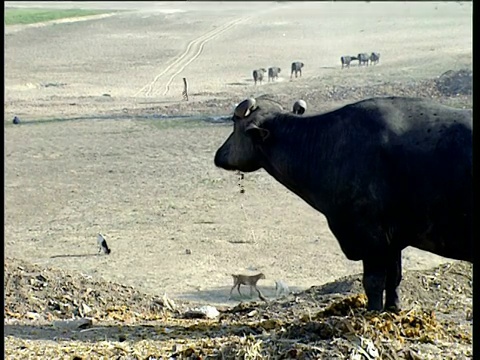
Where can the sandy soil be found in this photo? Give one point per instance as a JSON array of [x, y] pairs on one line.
[[92, 154]]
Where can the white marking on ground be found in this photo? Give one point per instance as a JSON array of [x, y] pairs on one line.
[[15, 28]]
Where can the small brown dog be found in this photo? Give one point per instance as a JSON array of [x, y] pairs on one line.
[[250, 280]]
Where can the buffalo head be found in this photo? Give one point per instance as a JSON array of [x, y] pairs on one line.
[[240, 151]]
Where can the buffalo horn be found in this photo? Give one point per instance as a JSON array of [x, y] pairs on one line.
[[244, 108], [299, 107]]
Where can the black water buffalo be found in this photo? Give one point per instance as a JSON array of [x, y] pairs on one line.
[[296, 68], [387, 173], [273, 73], [374, 58], [258, 75], [346, 60], [363, 59]]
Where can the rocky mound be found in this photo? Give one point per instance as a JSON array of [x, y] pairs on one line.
[[455, 83], [326, 322]]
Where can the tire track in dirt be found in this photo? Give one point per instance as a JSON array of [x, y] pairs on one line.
[[200, 46], [193, 51]]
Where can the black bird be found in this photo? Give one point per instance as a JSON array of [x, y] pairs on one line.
[[102, 245]]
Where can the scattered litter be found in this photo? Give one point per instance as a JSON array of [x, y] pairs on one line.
[[208, 312]]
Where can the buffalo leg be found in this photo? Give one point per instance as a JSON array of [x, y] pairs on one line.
[[374, 277], [394, 277]]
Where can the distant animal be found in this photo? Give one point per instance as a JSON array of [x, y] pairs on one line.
[[299, 107], [374, 58], [346, 60], [387, 173], [363, 59], [250, 280], [185, 89], [273, 73], [258, 75], [281, 288], [297, 67], [102, 245], [16, 120]]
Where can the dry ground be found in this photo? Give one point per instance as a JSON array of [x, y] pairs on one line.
[[97, 152]]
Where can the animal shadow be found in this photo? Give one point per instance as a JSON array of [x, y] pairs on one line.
[[237, 84], [73, 255]]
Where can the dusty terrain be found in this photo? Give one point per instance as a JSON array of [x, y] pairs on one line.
[[105, 143]]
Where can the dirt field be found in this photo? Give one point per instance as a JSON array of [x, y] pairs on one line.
[[103, 147]]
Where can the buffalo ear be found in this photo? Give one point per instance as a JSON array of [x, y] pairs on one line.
[[257, 132]]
